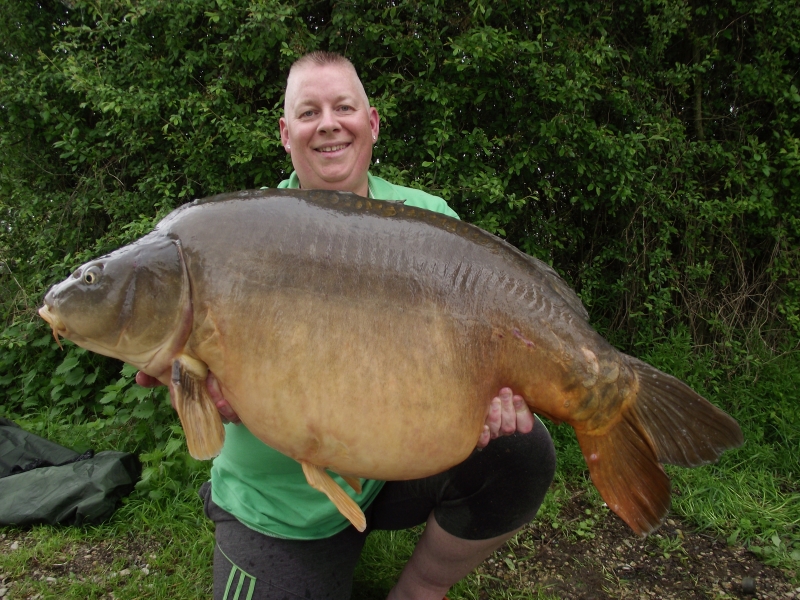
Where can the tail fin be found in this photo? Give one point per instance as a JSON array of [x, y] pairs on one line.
[[685, 429], [667, 422]]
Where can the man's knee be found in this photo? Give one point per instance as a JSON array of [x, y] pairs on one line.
[[499, 488]]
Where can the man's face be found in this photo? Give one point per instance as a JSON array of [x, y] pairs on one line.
[[329, 128]]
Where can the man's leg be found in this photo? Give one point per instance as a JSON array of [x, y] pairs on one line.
[[470, 510], [441, 560], [251, 566]]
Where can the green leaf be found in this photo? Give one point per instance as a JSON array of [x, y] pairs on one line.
[[129, 370], [731, 540], [136, 393], [74, 377], [109, 397], [144, 410], [173, 446], [68, 364]]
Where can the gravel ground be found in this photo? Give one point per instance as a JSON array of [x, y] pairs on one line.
[[101, 563]]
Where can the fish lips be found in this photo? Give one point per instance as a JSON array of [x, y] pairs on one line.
[[59, 330]]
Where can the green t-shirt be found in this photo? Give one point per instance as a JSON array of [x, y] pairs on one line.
[[266, 490]]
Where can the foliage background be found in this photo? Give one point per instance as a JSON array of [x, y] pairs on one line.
[[648, 149]]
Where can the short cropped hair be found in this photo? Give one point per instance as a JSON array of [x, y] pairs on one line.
[[321, 58]]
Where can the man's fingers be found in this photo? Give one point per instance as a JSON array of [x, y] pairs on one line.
[[494, 418], [524, 416], [507, 414], [224, 408], [227, 412], [483, 441], [213, 388], [145, 380], [508, 419]]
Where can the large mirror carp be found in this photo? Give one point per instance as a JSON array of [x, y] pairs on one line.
[[367, 338]]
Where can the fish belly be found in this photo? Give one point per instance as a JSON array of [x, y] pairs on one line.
[[358, 389]]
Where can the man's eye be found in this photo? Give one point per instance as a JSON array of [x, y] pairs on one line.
[[345, 108], [308, 113]]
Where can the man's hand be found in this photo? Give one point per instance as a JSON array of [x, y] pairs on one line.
[[507, 413], [225, 409]]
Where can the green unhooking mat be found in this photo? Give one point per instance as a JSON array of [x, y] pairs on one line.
[[42, 482]]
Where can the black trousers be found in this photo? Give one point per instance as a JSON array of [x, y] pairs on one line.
[[494, 491]]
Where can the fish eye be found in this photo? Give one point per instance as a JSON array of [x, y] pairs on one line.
[[91, 276]]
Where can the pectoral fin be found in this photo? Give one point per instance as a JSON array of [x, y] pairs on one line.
[[198, 414], [321, 481]]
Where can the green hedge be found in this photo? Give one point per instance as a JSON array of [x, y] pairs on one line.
[[649, 150]]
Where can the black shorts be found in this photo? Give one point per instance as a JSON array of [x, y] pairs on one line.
[[495, 491]]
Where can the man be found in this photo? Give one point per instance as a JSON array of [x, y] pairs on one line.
[[279, 538]]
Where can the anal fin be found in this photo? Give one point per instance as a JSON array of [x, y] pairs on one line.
[[199, 416], [321, 481]]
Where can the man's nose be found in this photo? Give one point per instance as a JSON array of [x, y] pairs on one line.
[[328, 122]]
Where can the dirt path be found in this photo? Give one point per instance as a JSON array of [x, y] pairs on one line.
[[592, 555]]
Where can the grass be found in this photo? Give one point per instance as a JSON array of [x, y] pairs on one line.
[[752, 495], [161, 537], [161, 550]]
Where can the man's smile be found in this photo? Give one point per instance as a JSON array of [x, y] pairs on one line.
[[332, 148]]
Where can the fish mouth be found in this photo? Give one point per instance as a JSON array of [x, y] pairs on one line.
[[59, 330]]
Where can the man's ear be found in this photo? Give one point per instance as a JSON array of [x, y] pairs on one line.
[[374, 122], [284, 134]]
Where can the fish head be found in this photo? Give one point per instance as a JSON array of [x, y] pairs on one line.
[[133, 304]]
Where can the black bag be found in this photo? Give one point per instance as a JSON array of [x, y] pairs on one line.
[[42, 482]]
